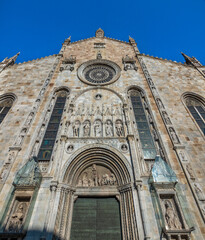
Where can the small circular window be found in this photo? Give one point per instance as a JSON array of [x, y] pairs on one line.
[[99, 72]]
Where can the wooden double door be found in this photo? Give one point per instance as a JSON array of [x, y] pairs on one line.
[[96, 219]]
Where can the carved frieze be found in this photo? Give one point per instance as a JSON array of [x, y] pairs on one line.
[[96, 176]]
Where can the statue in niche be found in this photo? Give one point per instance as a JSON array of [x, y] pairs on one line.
[[19, 140], [171, 216], [29, 119], [199, 192], [119, 128], [11, 157], [17, 218], [41, 131], [37, 103], [173, 135], [42, 91], [182, 155], [98, 128], [160, 104], [85, 179], [86, 129], [67, 124], [76, 129], [190, 171], [166, 118], [4, 173], [70, 148], [108, 128], [51, 104], [94, 172]]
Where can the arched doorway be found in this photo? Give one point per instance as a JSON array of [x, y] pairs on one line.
[[96, 198]]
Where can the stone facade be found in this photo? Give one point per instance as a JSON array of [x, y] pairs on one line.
[[101, 148]]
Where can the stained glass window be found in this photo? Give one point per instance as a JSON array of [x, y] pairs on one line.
[[197, 110], [5, 106], [145, 136], [48, 142]]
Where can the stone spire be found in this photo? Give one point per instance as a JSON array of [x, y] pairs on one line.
[[134, 44], [8, 61], [191, 60], [99, 33]]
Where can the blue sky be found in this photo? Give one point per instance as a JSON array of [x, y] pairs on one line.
[[161, 28]]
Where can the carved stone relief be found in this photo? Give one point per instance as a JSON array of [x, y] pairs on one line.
[[76, 129], [68, 63], [190, 171], [119, 128], [129, 63], [171, 215], [108, 128], [199, 192], [98, 128], [173, 135], [96, 176], [29, 119], [18, 215], [86, 128]]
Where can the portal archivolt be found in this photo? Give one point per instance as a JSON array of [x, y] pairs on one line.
[[96, 173]]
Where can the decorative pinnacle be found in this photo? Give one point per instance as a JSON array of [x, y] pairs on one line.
[[99, 33]]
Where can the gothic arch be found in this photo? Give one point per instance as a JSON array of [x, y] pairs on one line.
[[6, 102], [94, 154], [96, 88], [195, 106]]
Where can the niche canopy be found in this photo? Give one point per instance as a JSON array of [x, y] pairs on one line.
[[99, 72]]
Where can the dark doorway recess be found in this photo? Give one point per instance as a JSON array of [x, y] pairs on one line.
[[96, 219]]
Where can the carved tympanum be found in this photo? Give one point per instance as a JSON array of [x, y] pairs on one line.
[[96, 176]]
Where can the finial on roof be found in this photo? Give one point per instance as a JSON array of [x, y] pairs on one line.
[[99, 33], [67, 41], [8, 61], [131, 40], [191, 60]]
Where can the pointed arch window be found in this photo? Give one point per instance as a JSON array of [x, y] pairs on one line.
[[146, 139], [196, 107], [6, 103], [49, 139]]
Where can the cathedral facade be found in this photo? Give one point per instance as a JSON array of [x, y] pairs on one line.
[[102, 142]]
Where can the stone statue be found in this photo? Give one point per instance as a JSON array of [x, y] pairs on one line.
[[76, 129], [160, 104], [173, 135], [98, 128], [182, 156], [4, 173], [19, 140], [119, 128], [11, 157], [199, 192], [94, 172], [17, 218], [112, 179], [171, 217], [166, 118], [29, 119], [41, 131], [86, 129], [190, 171], [85, 179], [108, 128], [67, 124]]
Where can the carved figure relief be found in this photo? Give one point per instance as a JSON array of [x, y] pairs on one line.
[[173, 135], [19, 140], [68, 63], [171, 216], [160, 104], [96, 176], [190, 171], [119, 128], [108, 128], [199, 192], [70, 148], [16, 219], [4, 172], [98, 128], [67, 124], [76, 129], [124, 147], [86, 128], [166, 118], [182, 156], [129, 63], [29, 119]]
